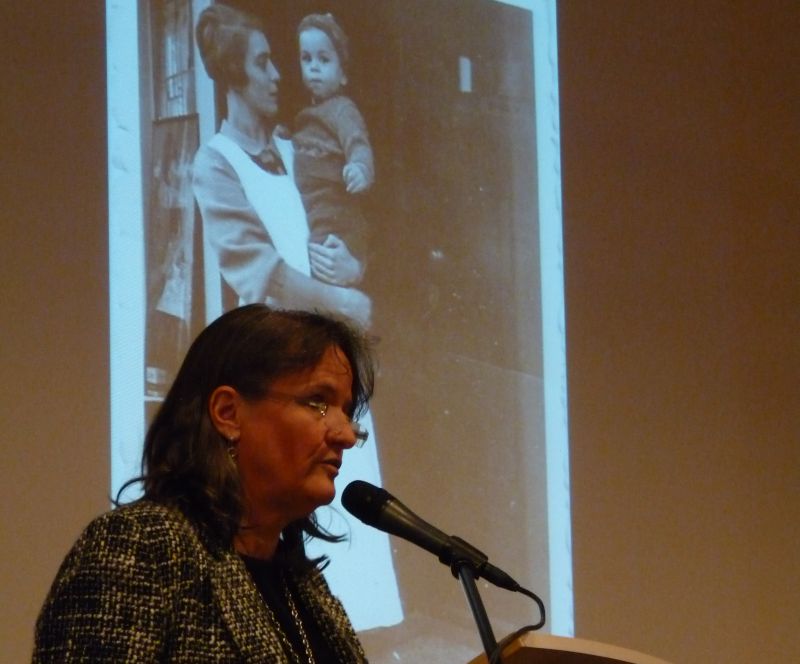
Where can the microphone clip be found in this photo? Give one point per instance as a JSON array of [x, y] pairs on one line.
[[457, 553]]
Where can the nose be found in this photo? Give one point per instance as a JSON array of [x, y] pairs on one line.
[[274, 73], [340, 433]]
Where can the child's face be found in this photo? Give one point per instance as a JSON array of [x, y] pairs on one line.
[[322, 71]]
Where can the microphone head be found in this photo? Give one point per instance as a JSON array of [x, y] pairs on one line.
[[364, 501]]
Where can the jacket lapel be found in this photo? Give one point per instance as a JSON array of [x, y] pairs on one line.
[[243, 610]]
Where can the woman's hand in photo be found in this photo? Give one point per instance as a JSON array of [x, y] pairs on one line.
[[332, 262], [355, 305]]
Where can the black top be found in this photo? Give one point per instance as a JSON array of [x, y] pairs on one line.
[[272, 579]]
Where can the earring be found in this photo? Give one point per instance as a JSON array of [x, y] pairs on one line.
[[233, 451]]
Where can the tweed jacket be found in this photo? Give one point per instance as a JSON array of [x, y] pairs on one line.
[[143, 585]]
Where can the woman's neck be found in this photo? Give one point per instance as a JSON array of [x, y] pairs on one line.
[[244, 119], [256, 543], [258, 536]]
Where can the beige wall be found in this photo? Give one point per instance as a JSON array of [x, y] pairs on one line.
[[681, 227], [682, 239], [53, 290]]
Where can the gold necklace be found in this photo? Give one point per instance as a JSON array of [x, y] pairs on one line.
[[286, 644], [298, 622]]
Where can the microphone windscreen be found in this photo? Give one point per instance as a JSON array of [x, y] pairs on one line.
[[364, 500]]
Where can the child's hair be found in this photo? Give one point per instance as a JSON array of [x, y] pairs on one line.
[[327, 24]]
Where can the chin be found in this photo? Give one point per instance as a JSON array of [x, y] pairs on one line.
[[328, 497], [321, 495], [269, 114]]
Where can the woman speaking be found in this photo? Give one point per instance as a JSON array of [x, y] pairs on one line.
[[210, 565]]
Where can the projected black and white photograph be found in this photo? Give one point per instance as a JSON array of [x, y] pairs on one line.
[[384, 161]]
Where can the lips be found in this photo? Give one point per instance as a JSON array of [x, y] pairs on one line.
[[336, 463]]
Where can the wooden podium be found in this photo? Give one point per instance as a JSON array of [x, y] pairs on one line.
[[533, 648]]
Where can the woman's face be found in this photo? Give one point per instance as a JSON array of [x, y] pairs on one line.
[[288, 453], [322, 70], [261, 91]]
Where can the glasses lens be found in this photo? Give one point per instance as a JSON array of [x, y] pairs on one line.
[[361, 433]]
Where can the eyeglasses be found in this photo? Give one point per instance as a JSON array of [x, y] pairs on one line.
[[359, 431]]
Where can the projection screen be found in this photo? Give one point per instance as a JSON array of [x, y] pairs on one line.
[[464, 269]]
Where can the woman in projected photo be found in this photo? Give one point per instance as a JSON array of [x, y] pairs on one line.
[[210, 565], [253, 216]]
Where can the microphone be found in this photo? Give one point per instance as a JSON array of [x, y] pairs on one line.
[[378, 508]]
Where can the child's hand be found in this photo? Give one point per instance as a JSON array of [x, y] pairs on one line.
[[355, 178]]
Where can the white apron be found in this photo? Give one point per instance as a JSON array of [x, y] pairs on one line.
[[275, 199]]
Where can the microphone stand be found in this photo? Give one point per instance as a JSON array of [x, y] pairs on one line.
[[462, 569]]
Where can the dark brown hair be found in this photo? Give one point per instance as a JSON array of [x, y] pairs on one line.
[[186, 462]]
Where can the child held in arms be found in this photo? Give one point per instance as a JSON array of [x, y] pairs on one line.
[[333, 160]]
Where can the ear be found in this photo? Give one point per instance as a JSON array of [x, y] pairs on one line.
[[224, 407]]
